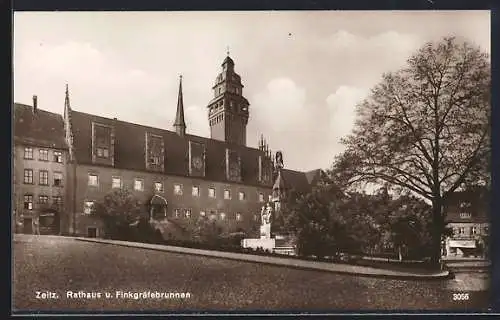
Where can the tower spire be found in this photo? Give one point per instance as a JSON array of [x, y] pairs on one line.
[[67, 106], [180, 124]]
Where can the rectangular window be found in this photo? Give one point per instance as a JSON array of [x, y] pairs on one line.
[[178, 189], [43, 177], [43, 199], [241, 195], [465, 215], [43, 155], [93, 180], [28, 153], [88, 206], [28, 176], [57, 200], [212, 216], [158, 187], [58, 179], [103, 152], [177, 213], [238, 217], [28, 202], [58, 156], [227, 194], [473, 230], [155, 160], [261, 197], [461, 230], [139, 185], [196, 191], [187, 213], [211, 192], [116, 182]]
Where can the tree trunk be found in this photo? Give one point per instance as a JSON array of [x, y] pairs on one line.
[[437, 228]]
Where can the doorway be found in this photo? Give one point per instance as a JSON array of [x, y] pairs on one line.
[[92, 232], [27, 226]]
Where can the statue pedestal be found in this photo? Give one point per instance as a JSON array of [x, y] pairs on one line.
[[265, 231]]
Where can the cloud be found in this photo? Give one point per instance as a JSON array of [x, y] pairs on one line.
[[360, 60], [281, 106], [196, 118], [342, 107], [94, 75]]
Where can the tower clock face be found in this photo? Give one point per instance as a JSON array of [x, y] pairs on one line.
[[197, 163]]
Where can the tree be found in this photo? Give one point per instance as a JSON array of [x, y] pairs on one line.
[[206, 230], [425, 128], [118, 211]]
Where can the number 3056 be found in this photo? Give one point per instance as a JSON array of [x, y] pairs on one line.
[[460, 296]]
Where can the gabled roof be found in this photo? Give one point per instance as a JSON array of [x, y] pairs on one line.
[[313, 176], [296, 180], [130, 149], [41, 128]]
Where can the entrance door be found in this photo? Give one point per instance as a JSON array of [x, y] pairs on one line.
[[92, 232], [27, 226]]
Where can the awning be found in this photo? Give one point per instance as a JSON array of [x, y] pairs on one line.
[[462, 243]]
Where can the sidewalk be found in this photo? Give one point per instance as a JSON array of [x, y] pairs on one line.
[[294, 263]]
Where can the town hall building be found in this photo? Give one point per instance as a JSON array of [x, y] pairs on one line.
[[178, 177]]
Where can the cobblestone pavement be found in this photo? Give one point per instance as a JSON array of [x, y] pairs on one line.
[[56, 266]]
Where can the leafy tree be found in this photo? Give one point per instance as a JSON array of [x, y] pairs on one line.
[[118, 211], [206, 230], [425, 128]]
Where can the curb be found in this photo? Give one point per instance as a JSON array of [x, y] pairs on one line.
[[200, 252]]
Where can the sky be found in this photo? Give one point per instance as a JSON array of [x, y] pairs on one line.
[[303, 72]]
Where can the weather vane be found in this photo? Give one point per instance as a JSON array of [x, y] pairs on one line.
[[227, 50]]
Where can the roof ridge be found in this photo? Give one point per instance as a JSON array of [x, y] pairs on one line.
[[161, 129]]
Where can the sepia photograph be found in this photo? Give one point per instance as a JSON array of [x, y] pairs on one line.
[[251, 161]]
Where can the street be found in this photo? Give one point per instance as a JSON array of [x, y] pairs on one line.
[[51, 273]]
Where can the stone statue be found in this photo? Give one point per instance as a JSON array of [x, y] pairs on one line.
[[263, 215], [279, 160]]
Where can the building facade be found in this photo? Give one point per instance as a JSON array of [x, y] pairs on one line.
[[177, 176], [39, 178], [467, 215]]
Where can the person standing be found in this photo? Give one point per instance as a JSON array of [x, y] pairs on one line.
[[36, 223]]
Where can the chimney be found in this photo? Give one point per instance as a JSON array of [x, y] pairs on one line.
[[35, 106]]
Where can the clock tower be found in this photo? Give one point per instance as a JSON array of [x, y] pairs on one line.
[[228, 110]]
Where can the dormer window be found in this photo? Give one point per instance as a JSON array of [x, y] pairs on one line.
[[155, 151], [102, 143]]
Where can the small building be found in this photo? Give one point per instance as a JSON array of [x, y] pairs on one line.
[[39, 158], [467, 215]]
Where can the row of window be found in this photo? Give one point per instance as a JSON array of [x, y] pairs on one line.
[[217, 119], [42, 199], [465, 215], [472, 230], [117, 183], [182, 213], [43, 155], [43, 177]]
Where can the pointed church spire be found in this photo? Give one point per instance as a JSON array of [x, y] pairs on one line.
[[180, 124], [67, 106]]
